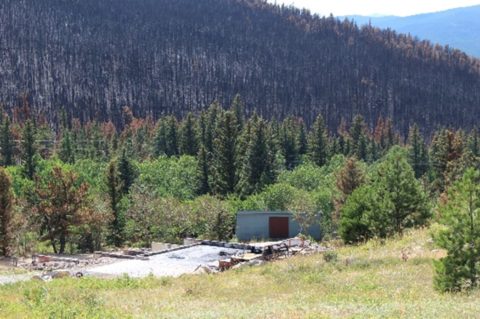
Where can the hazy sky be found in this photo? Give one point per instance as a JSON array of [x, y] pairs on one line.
[[377, 7]]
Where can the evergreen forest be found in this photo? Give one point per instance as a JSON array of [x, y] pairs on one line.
[[87, 187]]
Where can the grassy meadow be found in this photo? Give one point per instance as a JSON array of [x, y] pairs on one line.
[[371, 280]]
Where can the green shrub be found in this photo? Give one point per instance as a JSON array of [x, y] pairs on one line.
[[330, 256]]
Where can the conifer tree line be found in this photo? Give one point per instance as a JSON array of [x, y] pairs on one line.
[[236, 154], [85, 187]]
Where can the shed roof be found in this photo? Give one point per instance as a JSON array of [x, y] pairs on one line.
[[281, 213]]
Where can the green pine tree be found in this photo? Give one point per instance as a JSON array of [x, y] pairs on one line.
[[29, 150], [224, 175], [418, 156], [257, 170], [439, 158], [302, 140], [276, 157], [242, 144], [392, 202], [188, 136], [274, 161], [238, 110], [457, 168], [126, 173], [372, 151], [473, 143], [160, 140], [66, 153], [203, 172], [171, 136], [210, 123], [202, 130], [289, 143], [354, 225], [318, 142], [460, 236], [359, 138], [6, 143], [395, 181], [390, 138], [114, 185], [362, 148]]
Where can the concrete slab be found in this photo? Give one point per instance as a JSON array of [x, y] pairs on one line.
[[170, 264]]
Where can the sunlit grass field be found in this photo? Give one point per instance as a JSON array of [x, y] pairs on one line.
[[370, 280]]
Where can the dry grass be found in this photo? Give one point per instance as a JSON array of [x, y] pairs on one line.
[[371, 280], [7, 269]]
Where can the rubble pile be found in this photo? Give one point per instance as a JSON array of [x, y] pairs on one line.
[[258, 253], [50, 263]]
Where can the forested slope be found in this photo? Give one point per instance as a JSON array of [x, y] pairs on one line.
[[92, 57]]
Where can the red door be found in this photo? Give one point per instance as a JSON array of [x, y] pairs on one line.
[[278, 227]]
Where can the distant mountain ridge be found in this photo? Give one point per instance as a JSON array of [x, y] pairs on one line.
[[92, 58], [458, 28]]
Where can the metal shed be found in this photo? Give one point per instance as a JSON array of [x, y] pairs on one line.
[[258, 225]]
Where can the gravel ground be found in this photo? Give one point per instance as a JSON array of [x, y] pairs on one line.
[[169, 264]]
